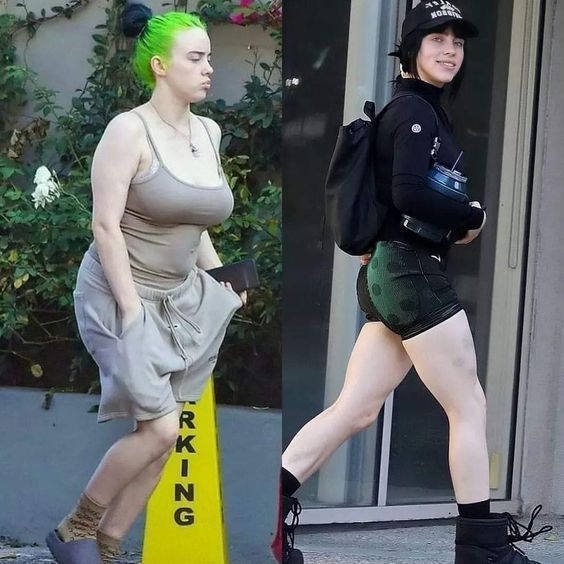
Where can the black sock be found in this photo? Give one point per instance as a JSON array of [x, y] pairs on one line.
[[478, 510], [289, 483]]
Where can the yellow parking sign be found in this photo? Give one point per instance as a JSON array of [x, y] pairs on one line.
[[184, 522]]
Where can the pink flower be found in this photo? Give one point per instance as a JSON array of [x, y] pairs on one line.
[[245, 3], [238, 19]]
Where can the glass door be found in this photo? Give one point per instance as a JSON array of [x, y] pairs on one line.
[[315, 57]]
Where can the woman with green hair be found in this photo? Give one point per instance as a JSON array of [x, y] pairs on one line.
[[147, 312]]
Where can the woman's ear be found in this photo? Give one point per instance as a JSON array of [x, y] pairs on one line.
[[157, 66]]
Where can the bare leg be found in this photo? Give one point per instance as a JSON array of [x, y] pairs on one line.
[[124, 509], [377, 365], [445, 360], [131, 455]]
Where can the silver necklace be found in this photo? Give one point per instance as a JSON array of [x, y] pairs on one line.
[[194, 148]]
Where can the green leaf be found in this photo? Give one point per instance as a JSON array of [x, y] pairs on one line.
[[267, 121], [7, 172], [241, 133]]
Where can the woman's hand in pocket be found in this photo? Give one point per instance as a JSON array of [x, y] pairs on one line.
[[129, 315]]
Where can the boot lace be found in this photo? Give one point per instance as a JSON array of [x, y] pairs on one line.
[[527, 535], [289, 529]]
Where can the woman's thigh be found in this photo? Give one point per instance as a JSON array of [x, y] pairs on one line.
[[445, 360], [179, 409], [377, 365]]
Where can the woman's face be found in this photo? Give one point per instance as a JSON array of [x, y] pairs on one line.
[[440, 57], [189, 71]]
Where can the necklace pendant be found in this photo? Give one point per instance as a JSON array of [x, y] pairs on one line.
[[195, 150]]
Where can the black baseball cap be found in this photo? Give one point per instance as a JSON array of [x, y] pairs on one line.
[[430, 14]]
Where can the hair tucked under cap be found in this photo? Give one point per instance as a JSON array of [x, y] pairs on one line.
[[134, 19]]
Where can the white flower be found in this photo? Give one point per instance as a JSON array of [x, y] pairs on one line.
[[42, 174], [47, 189]]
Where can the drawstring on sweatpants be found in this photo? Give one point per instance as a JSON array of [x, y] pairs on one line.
[[166, 302]]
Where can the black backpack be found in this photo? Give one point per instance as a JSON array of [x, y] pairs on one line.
[[354, 212]]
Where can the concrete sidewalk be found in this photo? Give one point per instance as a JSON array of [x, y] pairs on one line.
[[409, 543], [405, 543], [11, 552]]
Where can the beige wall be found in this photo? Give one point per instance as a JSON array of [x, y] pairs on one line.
[[59, 51]]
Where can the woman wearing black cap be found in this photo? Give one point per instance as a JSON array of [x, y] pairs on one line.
[[414, 315]]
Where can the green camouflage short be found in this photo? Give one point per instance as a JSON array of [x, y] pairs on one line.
[[406, 288]]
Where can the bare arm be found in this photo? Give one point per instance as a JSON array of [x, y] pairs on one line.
[[208, 258], [115, 163], [207, 255]]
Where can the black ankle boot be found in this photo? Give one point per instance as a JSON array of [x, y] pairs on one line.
[[490, 541], [290, 555]]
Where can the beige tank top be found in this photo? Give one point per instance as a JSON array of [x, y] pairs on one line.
[[164, 218]]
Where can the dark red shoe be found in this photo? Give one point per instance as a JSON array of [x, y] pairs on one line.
[[276, 545]]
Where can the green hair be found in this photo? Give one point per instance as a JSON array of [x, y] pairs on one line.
[[157, 39]]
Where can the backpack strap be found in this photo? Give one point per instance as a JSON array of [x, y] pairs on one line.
[[370, 110]]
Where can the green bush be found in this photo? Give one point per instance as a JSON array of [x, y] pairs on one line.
[[40, 249]]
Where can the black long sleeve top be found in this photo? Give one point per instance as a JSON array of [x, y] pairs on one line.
[[405, 137]]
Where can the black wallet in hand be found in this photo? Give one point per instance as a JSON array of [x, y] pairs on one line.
[[242, 275]]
